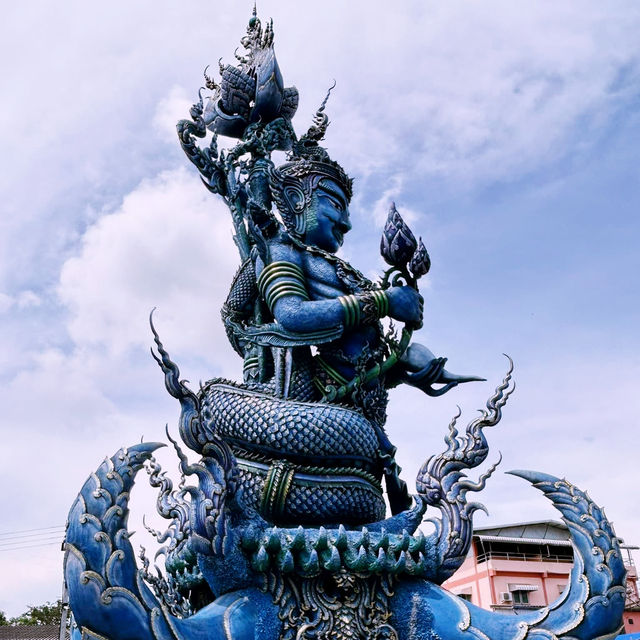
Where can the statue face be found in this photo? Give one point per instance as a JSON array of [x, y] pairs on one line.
[[327, 217]]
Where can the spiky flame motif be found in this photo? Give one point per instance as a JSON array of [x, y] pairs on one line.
[[442, 483], [216, 472], [320, 122]]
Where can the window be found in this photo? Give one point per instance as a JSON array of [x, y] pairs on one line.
[[630, 620], [464, 596], [520, 592], [520, 597]]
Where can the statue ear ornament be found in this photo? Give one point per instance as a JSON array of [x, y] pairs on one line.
[[297, 201]]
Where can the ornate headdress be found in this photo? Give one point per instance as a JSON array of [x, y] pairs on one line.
[[292, 183]]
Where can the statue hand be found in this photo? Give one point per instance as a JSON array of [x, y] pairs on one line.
[[406, 304]]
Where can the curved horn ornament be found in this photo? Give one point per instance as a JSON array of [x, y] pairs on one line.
[[108, 594], [589, 609]]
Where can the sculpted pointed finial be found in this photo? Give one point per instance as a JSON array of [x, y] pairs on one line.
[[320, 123], [254, 17]]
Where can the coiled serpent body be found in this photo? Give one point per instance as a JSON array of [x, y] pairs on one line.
[[304, 462], [299, 460]]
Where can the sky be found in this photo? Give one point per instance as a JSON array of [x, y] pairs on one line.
[[506, 133]]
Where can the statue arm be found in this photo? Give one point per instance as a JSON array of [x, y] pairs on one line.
[[296, 312], [283, 286]]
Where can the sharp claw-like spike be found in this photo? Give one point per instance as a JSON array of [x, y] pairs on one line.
[[377, 562], [299, 542], [362, 561], [274, 543], [261, 560], [287, 564], [406, 540], [400, 566], [312, 565], [322, 541], [333, 561], [417, 542], [341, 541], [383, 542]]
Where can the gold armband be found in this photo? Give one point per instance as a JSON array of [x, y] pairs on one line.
[[279, 279]]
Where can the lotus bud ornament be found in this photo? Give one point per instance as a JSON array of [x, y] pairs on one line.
[[398, 243], [420, 262]]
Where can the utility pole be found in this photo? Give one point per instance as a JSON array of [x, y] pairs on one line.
[[65, 611]]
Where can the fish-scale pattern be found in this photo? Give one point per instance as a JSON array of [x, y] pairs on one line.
[[243, 290], [293, 428], [318, 503], [237, 89]]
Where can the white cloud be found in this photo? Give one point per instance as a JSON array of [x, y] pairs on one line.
[[469, 93], [28, 299], [391, 194], [171, 108], [168, 246], [478, 92], [6, 302]]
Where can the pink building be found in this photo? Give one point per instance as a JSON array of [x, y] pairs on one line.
[[526, 566]]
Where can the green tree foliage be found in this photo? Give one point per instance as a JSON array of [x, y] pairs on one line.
[[47, 613], [3, 619]]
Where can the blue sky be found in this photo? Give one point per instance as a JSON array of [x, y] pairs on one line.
[[507, 134]]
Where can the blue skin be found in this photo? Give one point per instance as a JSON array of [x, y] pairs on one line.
[[328, 222]]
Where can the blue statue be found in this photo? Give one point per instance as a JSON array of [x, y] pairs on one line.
[[283, 534]]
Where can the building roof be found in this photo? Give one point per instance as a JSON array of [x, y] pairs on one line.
[[536, 532], [31, 632], [563, 543]]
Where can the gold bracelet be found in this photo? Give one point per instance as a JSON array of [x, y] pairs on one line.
[[364, 308], [351, 307]]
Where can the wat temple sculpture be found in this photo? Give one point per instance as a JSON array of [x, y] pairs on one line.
[[278, 530]]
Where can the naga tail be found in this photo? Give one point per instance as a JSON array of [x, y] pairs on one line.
[[107, 593], [189, 403], [592, 607]]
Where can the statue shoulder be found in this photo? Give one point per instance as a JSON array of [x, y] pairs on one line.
[[279, 250]]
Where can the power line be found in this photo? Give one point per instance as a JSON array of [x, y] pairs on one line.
[[44, 540], [8, 533], [33, 546], [31, 535]]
